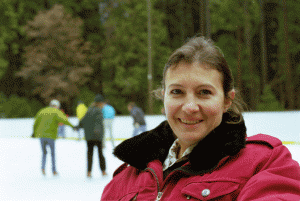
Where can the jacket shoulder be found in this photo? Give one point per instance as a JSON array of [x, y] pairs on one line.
[[263, 139], [120, 169]]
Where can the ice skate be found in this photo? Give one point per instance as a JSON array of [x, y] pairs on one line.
[[104, 174], [89, 174]]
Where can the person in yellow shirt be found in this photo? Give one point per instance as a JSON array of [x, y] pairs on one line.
[[81, 110]]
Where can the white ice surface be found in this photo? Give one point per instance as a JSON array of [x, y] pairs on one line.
[[21, 178]]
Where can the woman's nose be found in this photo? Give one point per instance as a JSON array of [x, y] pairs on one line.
[[190, 106]]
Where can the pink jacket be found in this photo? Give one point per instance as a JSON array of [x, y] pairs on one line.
[[261, 169]]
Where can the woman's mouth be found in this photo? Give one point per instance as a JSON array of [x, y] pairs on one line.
[[190, 122]]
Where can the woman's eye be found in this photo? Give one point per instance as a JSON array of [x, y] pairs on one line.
[[176, 91], [205, 92]]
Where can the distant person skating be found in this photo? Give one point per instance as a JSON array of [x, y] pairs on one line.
[[109, 115], [92, 123], [61, 128], [45, 127], [138, 118], [81, 110]]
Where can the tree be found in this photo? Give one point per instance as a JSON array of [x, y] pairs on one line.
[[288, 68], [125, 56], [205, 18], [14, 15], [94, 14], [231, 35], [58, 60], [284, 55], [268, 101], [264, 63], [248, 37]]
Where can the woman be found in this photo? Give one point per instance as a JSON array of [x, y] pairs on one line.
[[202, 151]]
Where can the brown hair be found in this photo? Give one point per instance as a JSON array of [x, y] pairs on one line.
[[203, 51]]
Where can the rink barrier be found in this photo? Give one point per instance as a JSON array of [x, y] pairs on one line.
[[282, 125], [122, 139], [283, 142]]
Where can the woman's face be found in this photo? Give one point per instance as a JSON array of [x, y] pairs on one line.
[[194, 101]]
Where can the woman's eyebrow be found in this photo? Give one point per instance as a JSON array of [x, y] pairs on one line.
[[175, 85]]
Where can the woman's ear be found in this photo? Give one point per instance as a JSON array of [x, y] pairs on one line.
[[228, 100]]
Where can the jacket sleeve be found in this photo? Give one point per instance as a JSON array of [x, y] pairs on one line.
[[277, 180], [63, 118]]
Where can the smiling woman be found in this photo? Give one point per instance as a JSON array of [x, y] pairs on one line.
[[194, 102], [202, 151]]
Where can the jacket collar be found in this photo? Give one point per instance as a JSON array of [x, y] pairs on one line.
[[225, 140]]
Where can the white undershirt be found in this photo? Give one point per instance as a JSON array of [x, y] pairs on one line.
[[173, 152]]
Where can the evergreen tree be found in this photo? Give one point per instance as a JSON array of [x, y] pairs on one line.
[[125, 56], [268, 101]]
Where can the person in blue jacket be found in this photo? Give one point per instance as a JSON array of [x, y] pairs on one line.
[[108, 116]]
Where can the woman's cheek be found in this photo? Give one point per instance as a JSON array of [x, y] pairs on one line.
[[211, 108], [169, 107]]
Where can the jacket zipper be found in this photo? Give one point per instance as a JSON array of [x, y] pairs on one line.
[[160, 193]]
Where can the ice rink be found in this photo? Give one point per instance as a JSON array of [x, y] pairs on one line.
[[20, 167], [21, 178]]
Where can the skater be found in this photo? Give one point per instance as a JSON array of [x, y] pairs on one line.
[[138, 116], [108, 115], [202, 151], [45, 127], [81, 110], [92, 123], [61, 128]]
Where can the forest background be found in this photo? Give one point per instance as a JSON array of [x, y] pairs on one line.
[[73, 49]]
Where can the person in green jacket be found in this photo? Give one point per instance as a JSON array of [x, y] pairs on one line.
[[92, 123], [45, 127]]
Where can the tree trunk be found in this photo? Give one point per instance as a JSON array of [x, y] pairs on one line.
[[150, 80], [264, 63], [248, 37], [204, 18], [9, 83], [239, 56], [182, 22], [288, 68]]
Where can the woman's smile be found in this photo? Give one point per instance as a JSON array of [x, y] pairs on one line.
[[190, 122]]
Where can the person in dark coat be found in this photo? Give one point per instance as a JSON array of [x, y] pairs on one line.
[[138, 116], [92, 123]]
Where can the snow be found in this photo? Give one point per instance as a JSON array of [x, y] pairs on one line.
[[20, 167]]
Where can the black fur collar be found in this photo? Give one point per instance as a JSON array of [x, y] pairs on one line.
[[226, 140]]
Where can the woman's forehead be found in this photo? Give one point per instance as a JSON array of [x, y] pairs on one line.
[[192, 72]]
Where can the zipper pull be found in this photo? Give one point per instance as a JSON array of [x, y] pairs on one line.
[[159, 195]]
